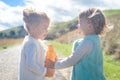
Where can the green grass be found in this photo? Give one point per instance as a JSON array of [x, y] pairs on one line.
[[111, 59], [112, 71], [64, 49], [111, 66], [111, 12]]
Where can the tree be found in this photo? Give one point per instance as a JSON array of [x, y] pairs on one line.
[[12, 34], [1, 35]]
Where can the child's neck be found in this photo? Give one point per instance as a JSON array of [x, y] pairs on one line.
[[88, 34], [35, 37]]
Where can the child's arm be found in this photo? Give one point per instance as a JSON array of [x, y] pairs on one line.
[[82, 50], [31, 64]]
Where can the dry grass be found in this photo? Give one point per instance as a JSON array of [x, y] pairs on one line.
[[69, 37], [5, 43]]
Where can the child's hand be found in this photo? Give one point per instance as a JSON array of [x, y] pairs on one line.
[[49, 64], [50, 72]]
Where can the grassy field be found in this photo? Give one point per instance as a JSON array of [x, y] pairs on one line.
[[109, 13], [111, 66], [6, 43]]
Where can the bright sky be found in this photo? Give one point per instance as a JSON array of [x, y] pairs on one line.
[[57, 10]]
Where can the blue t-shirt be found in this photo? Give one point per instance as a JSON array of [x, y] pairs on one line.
[[90, 67]]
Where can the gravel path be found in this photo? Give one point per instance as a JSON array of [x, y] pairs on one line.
[[9, 65]]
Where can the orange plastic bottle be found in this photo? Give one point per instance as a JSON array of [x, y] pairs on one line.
[[51, 55]]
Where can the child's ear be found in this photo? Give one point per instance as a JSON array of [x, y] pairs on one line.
[[90, 26]]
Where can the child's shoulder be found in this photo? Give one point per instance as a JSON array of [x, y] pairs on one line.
[[78, 41], [29, 46], [28, 42]]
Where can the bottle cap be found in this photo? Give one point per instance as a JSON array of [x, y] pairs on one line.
[[50, 47]]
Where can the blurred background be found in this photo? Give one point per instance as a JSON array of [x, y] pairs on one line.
[[63, 30]]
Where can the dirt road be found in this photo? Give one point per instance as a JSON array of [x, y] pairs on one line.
[[9, 65]]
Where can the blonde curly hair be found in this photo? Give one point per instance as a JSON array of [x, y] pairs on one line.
[[32, 18], [96, 18]]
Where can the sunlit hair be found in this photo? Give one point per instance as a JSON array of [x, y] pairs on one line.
[[95, 17], [32, 18]]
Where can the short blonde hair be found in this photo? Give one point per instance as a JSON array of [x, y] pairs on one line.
[[96, 18], [32, 18]]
